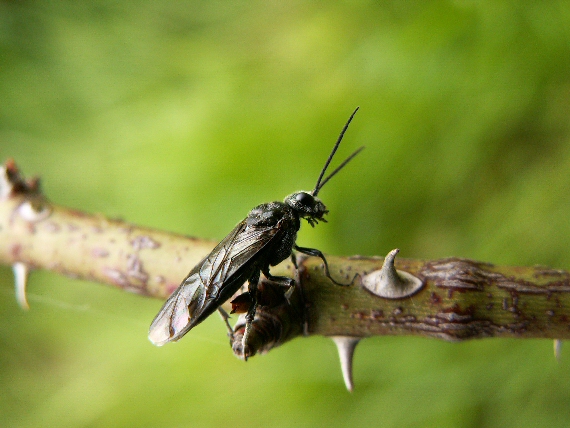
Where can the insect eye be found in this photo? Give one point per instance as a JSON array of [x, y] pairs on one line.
[[305, 198]]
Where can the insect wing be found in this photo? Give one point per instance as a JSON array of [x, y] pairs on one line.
[[198, 293], [177, 311]]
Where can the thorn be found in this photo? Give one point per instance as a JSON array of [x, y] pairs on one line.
[[34, 210], [6, 185], [20, 281], [346, 346], [391, 283], [557, 349]]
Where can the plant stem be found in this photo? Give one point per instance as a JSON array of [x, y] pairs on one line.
[[459, 299]]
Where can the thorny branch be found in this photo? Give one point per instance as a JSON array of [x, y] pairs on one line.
[[452, 299]]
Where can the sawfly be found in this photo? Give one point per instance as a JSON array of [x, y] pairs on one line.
[[264, 238]]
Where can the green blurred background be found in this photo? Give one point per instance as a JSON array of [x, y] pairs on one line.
[[184, 115]]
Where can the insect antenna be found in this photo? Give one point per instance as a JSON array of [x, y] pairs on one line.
[[320, 181], [332, 174]]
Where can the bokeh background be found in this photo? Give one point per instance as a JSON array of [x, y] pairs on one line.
[[184, 115]]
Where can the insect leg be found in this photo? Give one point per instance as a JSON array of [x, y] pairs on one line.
[[250, 316], [225, 316], [294, 260], [317, 253], [281, 280]]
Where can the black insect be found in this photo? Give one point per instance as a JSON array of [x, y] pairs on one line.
[[265, 238]]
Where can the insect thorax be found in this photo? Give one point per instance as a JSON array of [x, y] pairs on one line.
[[270, 214], [280, 219]]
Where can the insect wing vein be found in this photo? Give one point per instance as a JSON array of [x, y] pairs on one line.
[[173, 320], [191, 298], [215, 267]]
